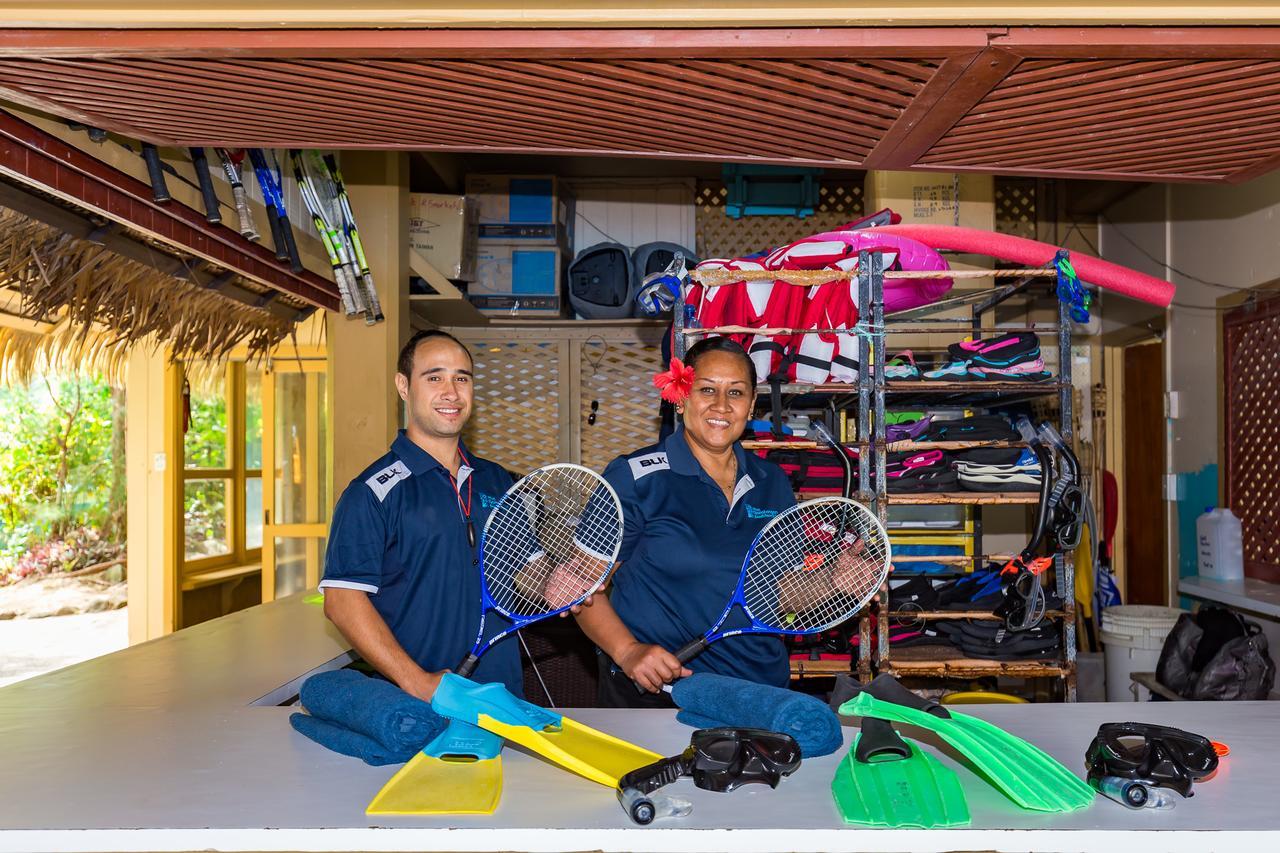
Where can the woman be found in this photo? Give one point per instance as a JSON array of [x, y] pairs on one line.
[[692, 505]]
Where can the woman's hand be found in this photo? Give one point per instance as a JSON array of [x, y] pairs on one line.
[[651, 666]]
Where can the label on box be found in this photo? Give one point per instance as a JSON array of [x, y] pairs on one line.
[[929, 200], [517, 231]]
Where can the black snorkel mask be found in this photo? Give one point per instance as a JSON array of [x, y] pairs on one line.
[[720, 759], [1158, 755]]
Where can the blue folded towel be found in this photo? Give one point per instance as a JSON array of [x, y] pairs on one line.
[[372, 708], [344, 740], [711, 700]]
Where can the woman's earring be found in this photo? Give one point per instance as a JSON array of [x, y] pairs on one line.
[[679, 410]]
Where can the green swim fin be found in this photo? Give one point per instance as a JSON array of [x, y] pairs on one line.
[[459, 772], [1026, 774], [599, 757], [888, 781]]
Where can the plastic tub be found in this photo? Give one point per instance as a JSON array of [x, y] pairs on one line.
[[1133, 635]]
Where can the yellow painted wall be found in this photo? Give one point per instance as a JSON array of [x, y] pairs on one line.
[[569, 13], [362, 358]]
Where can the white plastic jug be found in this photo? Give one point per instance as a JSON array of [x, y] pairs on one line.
[[1220, 544]]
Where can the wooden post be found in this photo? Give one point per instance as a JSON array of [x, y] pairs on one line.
[[154, 461], [362, 359]]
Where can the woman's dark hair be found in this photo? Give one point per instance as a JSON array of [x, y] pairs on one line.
[[404, 365], [721, 344]]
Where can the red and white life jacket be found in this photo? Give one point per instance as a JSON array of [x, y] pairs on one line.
[[754, 304]]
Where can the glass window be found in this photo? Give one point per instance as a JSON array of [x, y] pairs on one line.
[[252, 513], [253, 420], [205, 518], [292, 557], [205, 442]]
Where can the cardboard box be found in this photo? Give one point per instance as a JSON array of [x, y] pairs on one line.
[[442, 228], [929, 198], [532, 209], [519, 280]]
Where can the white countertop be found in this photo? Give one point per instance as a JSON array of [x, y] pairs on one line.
[[158, 747], [1249, 594]]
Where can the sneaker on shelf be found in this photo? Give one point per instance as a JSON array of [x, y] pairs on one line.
[[1006, 348], [952, 371], [1027, 371], [902, 366]]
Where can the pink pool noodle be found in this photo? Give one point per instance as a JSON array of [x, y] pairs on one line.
[[1006, 247]]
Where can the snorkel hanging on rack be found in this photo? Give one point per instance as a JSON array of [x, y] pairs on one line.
[[1059, 518]]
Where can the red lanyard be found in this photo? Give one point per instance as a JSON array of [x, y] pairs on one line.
[[465, 507]]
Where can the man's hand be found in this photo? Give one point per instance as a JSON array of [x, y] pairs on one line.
[[651, 666], [423, 684], [568, 581], [854, 567]]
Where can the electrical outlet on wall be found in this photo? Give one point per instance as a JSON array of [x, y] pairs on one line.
[[1173, 404]]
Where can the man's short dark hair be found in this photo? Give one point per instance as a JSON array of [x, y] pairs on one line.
[[404, 365]]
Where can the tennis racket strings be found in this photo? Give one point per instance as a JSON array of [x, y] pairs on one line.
[[551, 541], [817, 564]]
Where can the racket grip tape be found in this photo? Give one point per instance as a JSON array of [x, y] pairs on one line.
[[248, 229], [212, 210], [467, 666], [277, 236], [691, 650], [290, 245], [159, 189]]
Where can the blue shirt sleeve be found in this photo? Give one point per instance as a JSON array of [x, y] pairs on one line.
[[357, 541], [618, 475]]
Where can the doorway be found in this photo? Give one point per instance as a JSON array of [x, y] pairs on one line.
[[295, 497], [1142, 493]]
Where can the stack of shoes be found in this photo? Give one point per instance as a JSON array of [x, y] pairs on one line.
[[993, 641], [1012, 357], [972, 428], [919, 471], [998, 469], [902, 366]]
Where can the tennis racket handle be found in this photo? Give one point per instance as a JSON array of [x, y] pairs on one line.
[[159, 189], [277, 236], [212, 210], [290, 245], [689, 651], [248, 229], [467, 666]]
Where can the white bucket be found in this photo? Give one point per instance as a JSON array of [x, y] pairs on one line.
[[1132, 636]]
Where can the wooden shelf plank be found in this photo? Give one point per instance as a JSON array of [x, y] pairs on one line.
[[984, 615], [820, 668]]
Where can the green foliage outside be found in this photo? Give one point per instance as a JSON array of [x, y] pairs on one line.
[[204, 505], [62, 476]]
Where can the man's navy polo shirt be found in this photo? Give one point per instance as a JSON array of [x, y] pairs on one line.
[[399, 534], [682, 552]]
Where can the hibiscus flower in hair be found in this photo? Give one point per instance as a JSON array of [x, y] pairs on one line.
[[675, 384]]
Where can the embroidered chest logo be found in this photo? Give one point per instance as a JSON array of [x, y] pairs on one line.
[[756, 512], [488, 501]]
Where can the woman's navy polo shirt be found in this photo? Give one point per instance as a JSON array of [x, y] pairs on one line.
[[399, 534], [682, 552]]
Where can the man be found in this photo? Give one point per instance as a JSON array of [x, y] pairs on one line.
[[401, 580]]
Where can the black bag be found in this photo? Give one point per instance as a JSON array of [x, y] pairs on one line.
[[1216, 654]]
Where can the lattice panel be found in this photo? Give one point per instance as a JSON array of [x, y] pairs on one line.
[[517, 402], [1252, 395], [618, 378], [721, 236], [1016, 207]]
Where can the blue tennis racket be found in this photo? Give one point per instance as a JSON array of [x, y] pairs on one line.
[[810, 568], [550, 542]]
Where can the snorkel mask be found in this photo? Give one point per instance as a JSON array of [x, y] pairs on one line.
[[721, 759], [1161, 756]]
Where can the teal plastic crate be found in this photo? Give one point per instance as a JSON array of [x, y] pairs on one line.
[[770, 190]]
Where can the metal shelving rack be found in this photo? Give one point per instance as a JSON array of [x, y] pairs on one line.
[[873, 393]]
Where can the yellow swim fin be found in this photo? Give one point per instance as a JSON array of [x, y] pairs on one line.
[[593, 754], [460, 772]]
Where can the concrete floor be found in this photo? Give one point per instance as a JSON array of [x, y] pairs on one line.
[[30, 647]]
